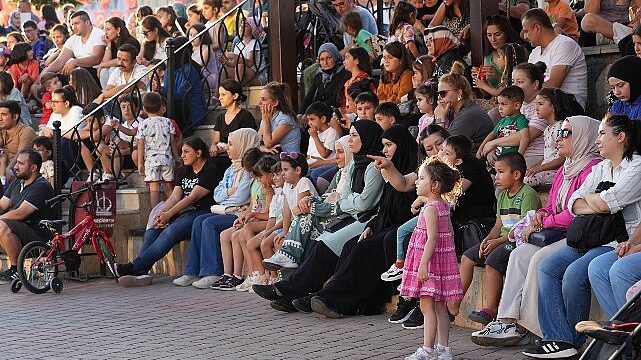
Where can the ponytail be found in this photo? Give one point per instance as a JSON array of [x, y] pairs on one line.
[[632, 129]]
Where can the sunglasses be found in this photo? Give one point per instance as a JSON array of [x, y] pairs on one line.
[[291, 155], [443, 93], [564, 133]]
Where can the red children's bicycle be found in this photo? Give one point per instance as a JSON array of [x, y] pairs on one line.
[[39, 262]]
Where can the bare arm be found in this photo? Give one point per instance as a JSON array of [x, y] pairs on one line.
[[557, 76], [592, 7], [55, 67], [524, 140], [22, 212], [438, 17]]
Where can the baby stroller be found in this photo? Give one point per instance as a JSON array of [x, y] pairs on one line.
[[626, 345]]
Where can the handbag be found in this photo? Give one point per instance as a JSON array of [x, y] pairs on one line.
[[589, 231], [472, 233], [340, 222], [547, 236]]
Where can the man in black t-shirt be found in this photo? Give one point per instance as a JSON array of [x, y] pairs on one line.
[[22, 207]]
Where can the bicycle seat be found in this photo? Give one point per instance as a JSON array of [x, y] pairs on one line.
[[52, 224]]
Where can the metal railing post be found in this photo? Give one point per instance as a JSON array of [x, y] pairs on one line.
[[380, 9], [170, 77], [57, 162]]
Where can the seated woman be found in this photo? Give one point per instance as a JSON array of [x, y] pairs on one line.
[[396, 80], [356, 286], [455, 15], [360, 195], [564, 287], [625, 82], [279, 131], [328, 81], [155, 41], [190, 198], [443, 47], [519, 298], [319, 210], [204, 265]]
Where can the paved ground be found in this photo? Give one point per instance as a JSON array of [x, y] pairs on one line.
[[99, 320]]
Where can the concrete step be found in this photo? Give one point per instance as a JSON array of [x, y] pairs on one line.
[[172, 264]]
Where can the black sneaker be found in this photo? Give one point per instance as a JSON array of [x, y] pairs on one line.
[[415, 320], [223, 279], [124, 269], [7, 276], [303, 304], [282, 305], [231, 283], [403, 309], [551, 350], [267, 292]]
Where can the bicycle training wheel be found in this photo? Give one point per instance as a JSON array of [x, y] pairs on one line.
[[110, 259], [35, 269]]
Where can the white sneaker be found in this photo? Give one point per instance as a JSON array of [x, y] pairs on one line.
[[422, 354], [205, 282], [444, 353], [498, 334], [392, 274], [108, 176], [185, 280], [246, 285], [279, 261]]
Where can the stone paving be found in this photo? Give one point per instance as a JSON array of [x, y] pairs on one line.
[[100, 320]]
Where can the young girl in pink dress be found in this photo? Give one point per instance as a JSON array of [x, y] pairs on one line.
[[431, 271]]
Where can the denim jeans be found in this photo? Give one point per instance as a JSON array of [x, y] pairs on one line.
[[611, 277], [401, 234], [204, 257], [158, 242], [564, 293]]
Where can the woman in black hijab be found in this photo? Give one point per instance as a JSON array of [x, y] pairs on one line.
[[356, 286], [625, 79], [358, 202]]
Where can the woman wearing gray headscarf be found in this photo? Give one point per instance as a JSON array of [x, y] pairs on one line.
[[328, 81]]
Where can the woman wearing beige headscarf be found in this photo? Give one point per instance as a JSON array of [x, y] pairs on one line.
[[204, 263], [314, 212], [576, 142]]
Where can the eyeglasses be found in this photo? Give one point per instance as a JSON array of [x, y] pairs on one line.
[[291, 155], [58, 101], [443, 93], [144, 33], [564, 133]]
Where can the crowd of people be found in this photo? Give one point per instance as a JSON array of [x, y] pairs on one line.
[[370, 187]]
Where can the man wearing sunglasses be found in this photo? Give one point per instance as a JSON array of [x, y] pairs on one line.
[[563, 57]]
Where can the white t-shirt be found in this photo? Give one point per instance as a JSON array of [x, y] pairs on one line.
[[161, 52], [68, 121], [117, 77], [565, 51], [84, 49], [247, 49], [328, 138], [276, 206], [291, 193]]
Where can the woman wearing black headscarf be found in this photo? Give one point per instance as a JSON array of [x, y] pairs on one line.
[[356, 286], [625, 79], [358, 201]]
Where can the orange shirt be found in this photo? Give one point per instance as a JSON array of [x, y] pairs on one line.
[[16, 71], [563, 10], [394, 91]]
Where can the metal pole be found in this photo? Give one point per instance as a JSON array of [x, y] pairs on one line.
[[170, 77], [478, 11], [57, 162], [282, 56], [380, 9]]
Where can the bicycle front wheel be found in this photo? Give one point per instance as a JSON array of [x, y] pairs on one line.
[[107, 255], [35, 268]]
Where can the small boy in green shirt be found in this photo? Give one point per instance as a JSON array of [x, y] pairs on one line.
[[511, 133], [353, 25], [513, 203]]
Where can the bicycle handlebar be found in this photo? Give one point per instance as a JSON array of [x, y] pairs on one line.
[[93, 187]]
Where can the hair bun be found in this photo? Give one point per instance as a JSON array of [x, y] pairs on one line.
[[242, 97], [457, 68], [541, 66]]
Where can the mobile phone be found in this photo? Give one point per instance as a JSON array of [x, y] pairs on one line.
[[338, 115]]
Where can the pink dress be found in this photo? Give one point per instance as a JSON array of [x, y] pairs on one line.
[[444, 280]]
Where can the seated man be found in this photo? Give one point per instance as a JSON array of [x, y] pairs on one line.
[[608, 20], [14, 137], [22, 207]]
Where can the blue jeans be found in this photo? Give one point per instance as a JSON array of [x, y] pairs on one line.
[[204, 257], [401, 234], [564, 293], [158, 242], [330, 170], [611, 277]]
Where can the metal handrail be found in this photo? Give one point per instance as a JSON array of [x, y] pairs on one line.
[[153, 68]]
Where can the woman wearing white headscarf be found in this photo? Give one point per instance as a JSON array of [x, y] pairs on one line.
[[576, 142], [314, 213]]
